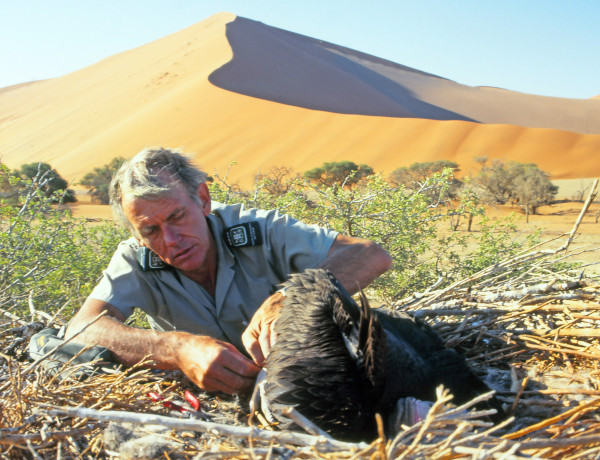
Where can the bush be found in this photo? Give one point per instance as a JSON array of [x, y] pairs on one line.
[[98, 181], [405, 222], [9, 192], [345, 173], [51, 259], [413, 176], [47, 257], [532, 187], [278, 181], [48, 181], [516, 183]]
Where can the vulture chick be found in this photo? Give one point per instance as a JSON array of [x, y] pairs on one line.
[[339, 364]]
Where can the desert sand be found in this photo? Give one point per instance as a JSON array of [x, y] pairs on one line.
[[229, 89]]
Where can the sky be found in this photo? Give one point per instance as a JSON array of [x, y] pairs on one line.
[[546, 47]]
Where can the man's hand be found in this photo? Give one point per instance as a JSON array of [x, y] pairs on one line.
[[259, 336], [214, 365], [356, 262], [210, 363]]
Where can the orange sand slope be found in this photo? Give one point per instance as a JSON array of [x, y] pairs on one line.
[[230, 89]]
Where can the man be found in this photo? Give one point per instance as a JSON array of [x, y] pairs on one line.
[[213, 300]]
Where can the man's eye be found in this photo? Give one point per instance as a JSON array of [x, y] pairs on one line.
[[178, 216], [148, 231]]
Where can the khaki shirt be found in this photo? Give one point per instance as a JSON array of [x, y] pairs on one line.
[[246, 276]]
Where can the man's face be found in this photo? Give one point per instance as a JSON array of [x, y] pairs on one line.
[[174, 227]]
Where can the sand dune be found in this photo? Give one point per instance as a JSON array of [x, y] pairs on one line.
[[230, 89], [281, 66]]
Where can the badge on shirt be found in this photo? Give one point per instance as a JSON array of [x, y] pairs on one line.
[[242, 235], [149, 260]]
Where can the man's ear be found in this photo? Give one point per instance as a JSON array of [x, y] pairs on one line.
[[204, 196]]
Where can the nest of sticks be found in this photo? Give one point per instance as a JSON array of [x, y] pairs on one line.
[[532, 333]]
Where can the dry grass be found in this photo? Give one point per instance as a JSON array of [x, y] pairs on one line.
[[533, 334], [540, 352]]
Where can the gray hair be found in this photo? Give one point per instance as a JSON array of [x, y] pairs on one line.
[[152, 174]]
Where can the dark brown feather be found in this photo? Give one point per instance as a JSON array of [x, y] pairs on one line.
[[339, 364]]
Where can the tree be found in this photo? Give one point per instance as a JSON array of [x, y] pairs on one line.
[[98, 181], [532, 188], [347, 173], [496, 182], [416, 174], [48, 179], [410, 176], [469, 205], [49, 258], [9, 192], [520, 184], [278, 180]]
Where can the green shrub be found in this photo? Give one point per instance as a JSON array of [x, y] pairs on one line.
[[525, 185], [406, 222], [51, 259], [98, 181], [48, 257], [48, 181], [347, 173]]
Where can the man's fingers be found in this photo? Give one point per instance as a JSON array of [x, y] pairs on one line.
[[259, 348], [273, 334], [219, 366], [259, 336], [229, 382], [237, 373], [264, 339], [252, 345], [254, 349], [238, 363]]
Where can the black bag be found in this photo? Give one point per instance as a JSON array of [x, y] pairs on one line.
[[83, 363]]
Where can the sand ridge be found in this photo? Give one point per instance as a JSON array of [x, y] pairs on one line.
[[281, 66], [286, 100]]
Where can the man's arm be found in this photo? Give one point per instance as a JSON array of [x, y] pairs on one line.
[[211, 364], [354, 262]]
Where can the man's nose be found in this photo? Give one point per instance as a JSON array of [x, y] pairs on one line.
[[170, 235]]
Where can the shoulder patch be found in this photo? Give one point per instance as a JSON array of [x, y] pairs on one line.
[[243, 235], [149, 260]]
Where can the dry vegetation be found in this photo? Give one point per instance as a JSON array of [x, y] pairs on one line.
[[533, 335]]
